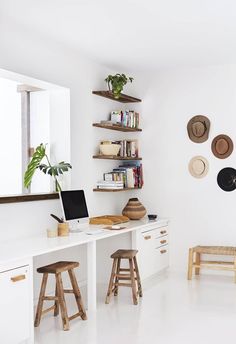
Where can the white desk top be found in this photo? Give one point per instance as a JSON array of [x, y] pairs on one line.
[[37, 245]]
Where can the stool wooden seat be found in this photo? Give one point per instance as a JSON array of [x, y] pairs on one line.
[[195, 261], [132, 275], [55, 268], [59, 298]]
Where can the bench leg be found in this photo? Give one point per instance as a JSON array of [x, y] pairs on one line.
[[190, 264], [197, 261], [234, 270]]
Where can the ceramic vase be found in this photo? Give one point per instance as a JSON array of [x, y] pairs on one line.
[[134, 209]]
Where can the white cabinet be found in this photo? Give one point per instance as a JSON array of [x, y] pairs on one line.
[[153, 245], [15, 303]]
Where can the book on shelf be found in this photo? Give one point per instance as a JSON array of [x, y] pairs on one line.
[[127, 175], [110, 184], [127, 118]]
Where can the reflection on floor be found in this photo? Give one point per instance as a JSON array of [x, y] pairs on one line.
[[172, 310]]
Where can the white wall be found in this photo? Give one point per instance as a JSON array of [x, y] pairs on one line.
[[200, 212], [31, 55]]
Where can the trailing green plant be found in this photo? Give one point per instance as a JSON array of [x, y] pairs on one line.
[[53, 170], [117, 82]]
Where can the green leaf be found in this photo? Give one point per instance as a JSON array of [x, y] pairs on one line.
[[37, 157]]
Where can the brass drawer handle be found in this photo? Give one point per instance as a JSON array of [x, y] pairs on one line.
[[163, 232], [163, 241], [163, 251], [18, 278], [147, 237]]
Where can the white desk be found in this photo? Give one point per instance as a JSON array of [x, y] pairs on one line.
[[28, 248]]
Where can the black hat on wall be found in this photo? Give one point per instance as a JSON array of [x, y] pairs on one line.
[[226, 179]]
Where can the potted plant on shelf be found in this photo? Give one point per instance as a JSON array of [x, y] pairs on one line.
[[53, 170], [117, 82]]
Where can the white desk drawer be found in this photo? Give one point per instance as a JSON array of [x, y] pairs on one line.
[[155, 232], [15, 305], [162, 258], [161, 241]]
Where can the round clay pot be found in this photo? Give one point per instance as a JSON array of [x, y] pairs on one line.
[[134, 209]]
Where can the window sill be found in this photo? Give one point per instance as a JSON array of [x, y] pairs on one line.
[[28, 197]]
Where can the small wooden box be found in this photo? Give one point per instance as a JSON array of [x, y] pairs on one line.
[[63, 229]]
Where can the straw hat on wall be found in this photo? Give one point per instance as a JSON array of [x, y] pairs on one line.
[[198, 167], [198, 128], [222, 146]]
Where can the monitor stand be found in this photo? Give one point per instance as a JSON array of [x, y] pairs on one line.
[[76, 226]]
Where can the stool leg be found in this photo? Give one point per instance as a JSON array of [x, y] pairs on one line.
[[133, 283], [117, 278], [77, 294], [40, 301], [190, 264], [62, 302], [56, 304], [234, 270], [197, 261], [140, 291], [109, 291]]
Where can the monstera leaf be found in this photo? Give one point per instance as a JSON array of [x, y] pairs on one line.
[[55, 170], [37, 157]]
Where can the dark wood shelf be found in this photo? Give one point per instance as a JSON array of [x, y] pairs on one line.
[[115, 157], [28, 197], [124, 98], [115, 190], [116, 127]]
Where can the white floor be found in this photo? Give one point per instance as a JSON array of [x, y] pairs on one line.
[[172, 310]]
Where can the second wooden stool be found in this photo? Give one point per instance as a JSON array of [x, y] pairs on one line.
[[132, 275], [59, 298]]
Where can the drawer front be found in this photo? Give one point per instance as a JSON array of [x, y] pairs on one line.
[[161, 241], [162, 257], [15, 305], [156, 232]]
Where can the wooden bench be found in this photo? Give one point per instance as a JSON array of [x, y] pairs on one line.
[[195, 261]]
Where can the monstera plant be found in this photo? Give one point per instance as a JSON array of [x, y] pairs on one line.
[[36, 163], [117, 82]]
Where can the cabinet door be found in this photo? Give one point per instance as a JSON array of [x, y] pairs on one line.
[[14, 306], [151, 257]]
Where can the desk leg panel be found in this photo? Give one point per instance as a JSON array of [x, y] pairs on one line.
[[91, 276]]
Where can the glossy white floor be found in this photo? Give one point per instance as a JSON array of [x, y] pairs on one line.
[[172, 310]]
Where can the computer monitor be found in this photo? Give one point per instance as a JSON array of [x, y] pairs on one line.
[[74, 208]]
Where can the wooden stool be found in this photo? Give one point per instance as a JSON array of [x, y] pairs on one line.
[[133, 275], [195, 261], [59, 298]]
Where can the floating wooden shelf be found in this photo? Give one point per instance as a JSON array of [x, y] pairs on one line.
[[115, 190], [115, 157], [124, 98], [116, 127]]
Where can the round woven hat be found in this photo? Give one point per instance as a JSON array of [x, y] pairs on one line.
[[222, 146], [198, 166], [226, 179], [198, 128]]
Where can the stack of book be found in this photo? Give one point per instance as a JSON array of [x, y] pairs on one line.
[[129, 174], [129, 148], [127, 118], [110, 184]]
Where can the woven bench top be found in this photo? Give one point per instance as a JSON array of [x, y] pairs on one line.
[[223, 250]]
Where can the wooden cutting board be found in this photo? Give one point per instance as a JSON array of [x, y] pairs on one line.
[[108, 220]]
